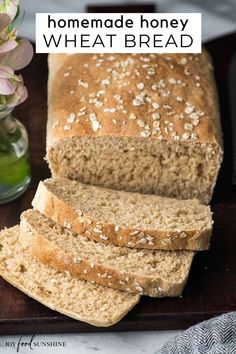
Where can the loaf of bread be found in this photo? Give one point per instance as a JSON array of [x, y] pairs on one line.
[[143, 123], [146, 272], [79, 299], [125, 218]]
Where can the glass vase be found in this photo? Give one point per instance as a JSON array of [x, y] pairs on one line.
[[14, 158]]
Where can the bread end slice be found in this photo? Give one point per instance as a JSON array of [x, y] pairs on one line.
[[79, 299]]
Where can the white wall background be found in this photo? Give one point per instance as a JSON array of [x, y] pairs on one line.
[[219, 16]]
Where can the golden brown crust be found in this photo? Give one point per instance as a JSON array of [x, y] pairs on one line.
[[64, 214], [48, 253], [155, 96]]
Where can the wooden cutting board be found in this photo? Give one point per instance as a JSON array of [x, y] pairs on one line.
[[211, 289]]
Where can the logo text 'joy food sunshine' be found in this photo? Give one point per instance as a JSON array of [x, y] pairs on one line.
[[31, 343]]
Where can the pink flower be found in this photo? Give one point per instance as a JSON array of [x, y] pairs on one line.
[[12, 89], [14, 53], [7, 39], [19, 57], [7, 86]]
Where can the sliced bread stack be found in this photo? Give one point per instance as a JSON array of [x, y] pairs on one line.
[[90, 252], [149, 272]]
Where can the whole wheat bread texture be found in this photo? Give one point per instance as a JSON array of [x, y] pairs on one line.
[[147, 272], [137, 122], [123, 218], [79, 299]]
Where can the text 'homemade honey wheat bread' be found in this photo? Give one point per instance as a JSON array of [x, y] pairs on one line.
[[123, 218], [148, 123], [79, 299], [148, 272]]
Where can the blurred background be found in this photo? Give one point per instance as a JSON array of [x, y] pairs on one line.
[[219, 16]]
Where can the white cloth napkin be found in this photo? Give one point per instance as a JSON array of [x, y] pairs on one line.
[[215, 336]]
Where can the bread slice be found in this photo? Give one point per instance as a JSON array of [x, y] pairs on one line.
[[147, 272], [125, 219], [79, 299], [145, 123]]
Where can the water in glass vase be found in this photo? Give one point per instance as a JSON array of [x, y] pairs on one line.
[[14, 159]]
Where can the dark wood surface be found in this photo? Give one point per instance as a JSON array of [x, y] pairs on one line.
[[211, 289]]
